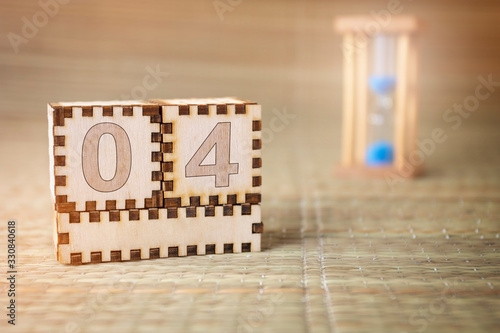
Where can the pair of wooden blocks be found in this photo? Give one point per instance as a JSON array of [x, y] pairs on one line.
[[144, 180]]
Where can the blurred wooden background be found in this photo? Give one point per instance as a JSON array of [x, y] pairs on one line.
[[285, 55], [277, 52]]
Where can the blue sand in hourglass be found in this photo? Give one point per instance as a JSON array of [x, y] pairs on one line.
[[382, 85], [379, 153]]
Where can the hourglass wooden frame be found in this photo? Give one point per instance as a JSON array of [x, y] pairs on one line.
[[358, 31]]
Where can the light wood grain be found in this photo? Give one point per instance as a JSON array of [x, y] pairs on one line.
[[361, 105], [413, 95], [401, 101], [348, 100]]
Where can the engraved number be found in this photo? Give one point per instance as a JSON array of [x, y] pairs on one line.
[[220, 137], [90, 157]]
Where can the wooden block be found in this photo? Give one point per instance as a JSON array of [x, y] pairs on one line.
[[99, 155], [125, 174], [144, 238], [211, 148]]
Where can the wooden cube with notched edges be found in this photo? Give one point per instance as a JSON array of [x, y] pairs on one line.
[[143, 180]]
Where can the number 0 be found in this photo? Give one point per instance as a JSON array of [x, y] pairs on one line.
[[90, 157], [220, 137]]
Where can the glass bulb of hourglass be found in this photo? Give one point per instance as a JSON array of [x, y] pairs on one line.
[[381, 83], [380, 151]]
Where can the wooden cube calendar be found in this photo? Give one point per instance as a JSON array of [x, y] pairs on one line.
[[144, 180]]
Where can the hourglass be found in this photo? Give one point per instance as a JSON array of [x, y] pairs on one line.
[[379, 95]]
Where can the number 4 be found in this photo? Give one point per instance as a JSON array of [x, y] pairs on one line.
[[220, 137]]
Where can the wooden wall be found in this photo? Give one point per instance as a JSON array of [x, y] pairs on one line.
[[281, 53]]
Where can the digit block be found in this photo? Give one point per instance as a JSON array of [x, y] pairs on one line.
[[211, 151], [143, 180], [103, 156]]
